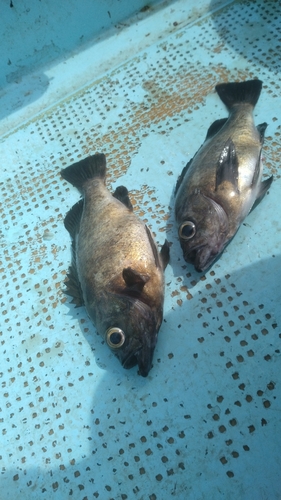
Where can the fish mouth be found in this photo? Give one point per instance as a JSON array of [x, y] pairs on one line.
[[142, 358], [130, 361], [201, 257]]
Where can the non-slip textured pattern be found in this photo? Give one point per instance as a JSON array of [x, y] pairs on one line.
[[205, 423]]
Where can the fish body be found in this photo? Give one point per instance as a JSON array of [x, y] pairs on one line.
[[222, 183], [117, 271]]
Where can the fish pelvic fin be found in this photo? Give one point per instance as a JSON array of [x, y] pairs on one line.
[[227, 167], [239, 92], [73, 218], [121, 193], [80, 172], [257, 171], [264, 187]]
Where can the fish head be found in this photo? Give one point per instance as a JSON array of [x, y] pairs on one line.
[[202, 228], [131, 331]]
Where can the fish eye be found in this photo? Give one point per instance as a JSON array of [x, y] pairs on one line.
[[115, 337], [187, 230]]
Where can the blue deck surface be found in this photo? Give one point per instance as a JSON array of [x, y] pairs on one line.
[[205, 423]]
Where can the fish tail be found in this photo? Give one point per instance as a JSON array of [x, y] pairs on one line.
[[80, 172], [233, 93]]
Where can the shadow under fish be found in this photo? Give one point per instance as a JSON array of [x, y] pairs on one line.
[[116, 271], [222, 183]]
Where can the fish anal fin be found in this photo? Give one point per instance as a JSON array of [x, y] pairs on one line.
[[261, 129], [227, 167], [215, 127], [134, 280], [121, 194], [165, 254], [264, 187], [153, 247], [73, 287]]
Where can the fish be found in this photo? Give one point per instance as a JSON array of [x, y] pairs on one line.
[[222, 183], [116, 271]]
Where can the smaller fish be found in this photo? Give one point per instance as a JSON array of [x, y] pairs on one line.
[[117, 271], [222, 183]]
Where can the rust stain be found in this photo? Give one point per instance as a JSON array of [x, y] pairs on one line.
[[166, 98]]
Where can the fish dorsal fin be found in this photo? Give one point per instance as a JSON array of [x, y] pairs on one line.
[[72, 224], [73, 287], [134, 280], [264, 187], [181, 176], [153, 247], [227, 167], [262, 128], [73, 218], [215, 127], [121, 194]]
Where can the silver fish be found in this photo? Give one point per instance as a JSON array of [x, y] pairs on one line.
[[222, 183], [117, 271]]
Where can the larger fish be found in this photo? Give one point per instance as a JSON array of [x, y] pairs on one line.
[[116, 272], [222, 183]]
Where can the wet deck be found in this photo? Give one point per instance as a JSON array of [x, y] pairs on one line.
[[206, 421]]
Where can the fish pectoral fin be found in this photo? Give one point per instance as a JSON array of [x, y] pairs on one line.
[[134, 280], [73, 287], [261, 129], [215, 127], [264, 187], [121, 194], [227, 167], [165, 254], [73, 218]]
